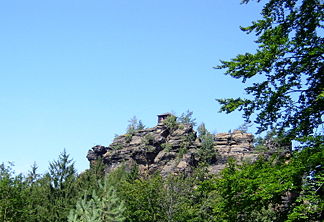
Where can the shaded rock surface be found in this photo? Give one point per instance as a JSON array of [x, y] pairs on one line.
[[160, 149]]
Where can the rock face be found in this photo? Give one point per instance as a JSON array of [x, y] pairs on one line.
[[160, 149], [237, 145]]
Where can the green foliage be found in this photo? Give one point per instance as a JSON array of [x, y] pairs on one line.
[[51, 196], [105, 206], [161, 199], [207, 152], [288, 99], [120, 146], [177, 203], [269, 190], [33, 176], [38, 190], [128, 137], [88, 180], [134, 125], [310, 203], [243, 191], [62, 171], [273, 142], [62, 196], [148, 139], [202, 130], [41, 200], [142, 199], [186, 118], [12, 195], [31, 198], [140, 125], [290, 60], [21, 198], [86, 211], [186, 141], [171, 123], [167, 147], [182, 151], [244, 127]]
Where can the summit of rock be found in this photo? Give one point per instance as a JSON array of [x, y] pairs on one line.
[[167, 151]]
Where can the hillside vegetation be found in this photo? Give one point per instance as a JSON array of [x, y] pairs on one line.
[[168, 173]]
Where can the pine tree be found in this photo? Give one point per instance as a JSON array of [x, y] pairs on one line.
[[186, 118], [103, 206], [62, 195], [207, 152], [85, 211]]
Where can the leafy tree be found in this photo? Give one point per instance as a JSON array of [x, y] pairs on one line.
[[287, 99], [24, 198], [177, 202], [268, 190], [143, 199], [162, 199], [310, 201], [272, 142], [12, 195], [290, 60]]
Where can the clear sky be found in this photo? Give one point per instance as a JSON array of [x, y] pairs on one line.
[[73, 72]]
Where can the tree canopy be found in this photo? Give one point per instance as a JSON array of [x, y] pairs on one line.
[[289, 59]]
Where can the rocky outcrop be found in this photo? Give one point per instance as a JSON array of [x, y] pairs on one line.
[[154, 149], [170, 151], [237, 145]]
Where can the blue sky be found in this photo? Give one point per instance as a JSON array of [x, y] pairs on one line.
[[73, 72]]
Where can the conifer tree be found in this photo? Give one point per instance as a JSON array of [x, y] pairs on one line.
[[186, 118], [62, 195], [85, 211], [207, 151], [103, 206]]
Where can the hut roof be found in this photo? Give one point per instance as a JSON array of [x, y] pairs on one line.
[[165, 114]]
